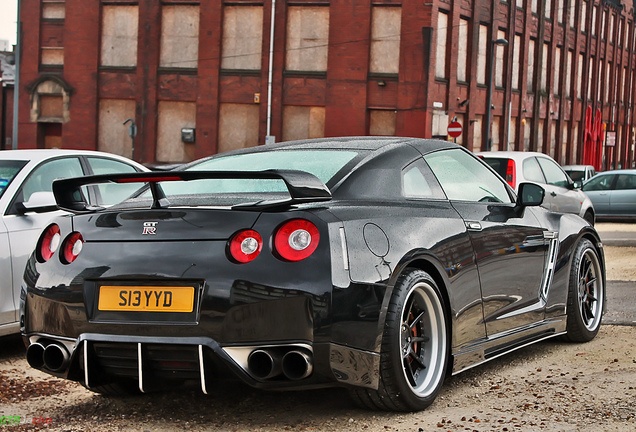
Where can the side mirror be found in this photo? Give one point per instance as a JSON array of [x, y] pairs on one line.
[[530, 195], [39, 202]]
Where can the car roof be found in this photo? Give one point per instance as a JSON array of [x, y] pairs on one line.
[[516, 155], [38, 155], [359, 143], [620, 171], [581, 167]]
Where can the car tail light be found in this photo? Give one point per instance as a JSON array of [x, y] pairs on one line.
[[72, 247], [296, 240], [511, 178], [245, 246], [48, 243]]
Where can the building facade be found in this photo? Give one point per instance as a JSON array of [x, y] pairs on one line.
[[202, 77]]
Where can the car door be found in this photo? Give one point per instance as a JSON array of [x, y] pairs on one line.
[[623, 196], [599, 188], [7, 302], [509, 244], [560, 194]]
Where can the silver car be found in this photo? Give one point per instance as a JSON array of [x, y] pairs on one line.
[[561, 195], [27, 205], [613, 194]]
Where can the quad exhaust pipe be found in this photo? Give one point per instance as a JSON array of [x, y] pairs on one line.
[[269, 363], [52, 356]]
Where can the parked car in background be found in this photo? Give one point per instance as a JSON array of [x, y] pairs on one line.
[[561, 195], [579, 173], [374, 263], [613, 194], [27, 204]]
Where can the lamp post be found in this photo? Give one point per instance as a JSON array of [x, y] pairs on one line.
[[489, 106]]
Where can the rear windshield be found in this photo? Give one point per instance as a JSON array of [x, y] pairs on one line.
[[498, 164], [8, 170], [576, 176], [324, 164]]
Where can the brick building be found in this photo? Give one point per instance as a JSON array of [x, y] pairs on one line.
[[201, 77]]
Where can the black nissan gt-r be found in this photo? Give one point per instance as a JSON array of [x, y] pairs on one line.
[[379, 264]]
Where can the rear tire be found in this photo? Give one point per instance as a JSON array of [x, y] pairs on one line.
[[415, 348], [586, 294]]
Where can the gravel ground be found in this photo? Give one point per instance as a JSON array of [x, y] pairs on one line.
[[550, 386]]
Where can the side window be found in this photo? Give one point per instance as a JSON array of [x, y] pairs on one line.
[[532, 171], [110, 194], [465, 178], [599, 183], [41, 179], [626, 181], [554, 175], [418, 182]]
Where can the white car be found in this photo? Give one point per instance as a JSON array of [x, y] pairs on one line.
[[27, 204], [561, 195], [579, 173]]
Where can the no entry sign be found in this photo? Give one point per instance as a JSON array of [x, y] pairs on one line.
[[454, 129]]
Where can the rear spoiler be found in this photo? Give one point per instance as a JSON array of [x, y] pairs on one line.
[[303, 187]]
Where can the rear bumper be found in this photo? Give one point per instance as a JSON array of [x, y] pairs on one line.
[[155, 362]]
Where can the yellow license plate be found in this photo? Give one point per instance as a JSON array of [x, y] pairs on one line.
[[146, 298]]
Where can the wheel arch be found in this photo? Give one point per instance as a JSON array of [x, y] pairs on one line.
[[425, 261]]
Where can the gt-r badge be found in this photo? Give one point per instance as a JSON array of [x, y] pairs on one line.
[[150, 228]]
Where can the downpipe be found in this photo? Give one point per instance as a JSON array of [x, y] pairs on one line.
[[297, 365]]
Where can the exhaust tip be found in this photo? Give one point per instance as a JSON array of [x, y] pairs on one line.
[[35, 355], [297, 365], [55, 357], [264, 364]]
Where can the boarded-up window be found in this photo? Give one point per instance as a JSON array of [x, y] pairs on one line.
[[174, 116], [544, 67], [590, 69], [462, 51], [386, 25], [560, 11], [512, 135], [564, 143], [579, 77], [53, 9], [557, 70], [119, 35], [442, 36], [307, 38], [540, 136], [594, 9], [575, 142], [527, 133], [179, 37], [531, 66], [548, 8], [583, 16], [51, 107], [382, 122], [302, 122], [533, 6], [52, 56], [499, 60], [572, 12], [242, 37], [516, 55], [112, 134], [238, 126], [477, 125], [496, 132], [568, 74], [553, 130], [481, 54]]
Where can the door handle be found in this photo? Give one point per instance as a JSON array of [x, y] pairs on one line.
[[553, 193], [473, 226]]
